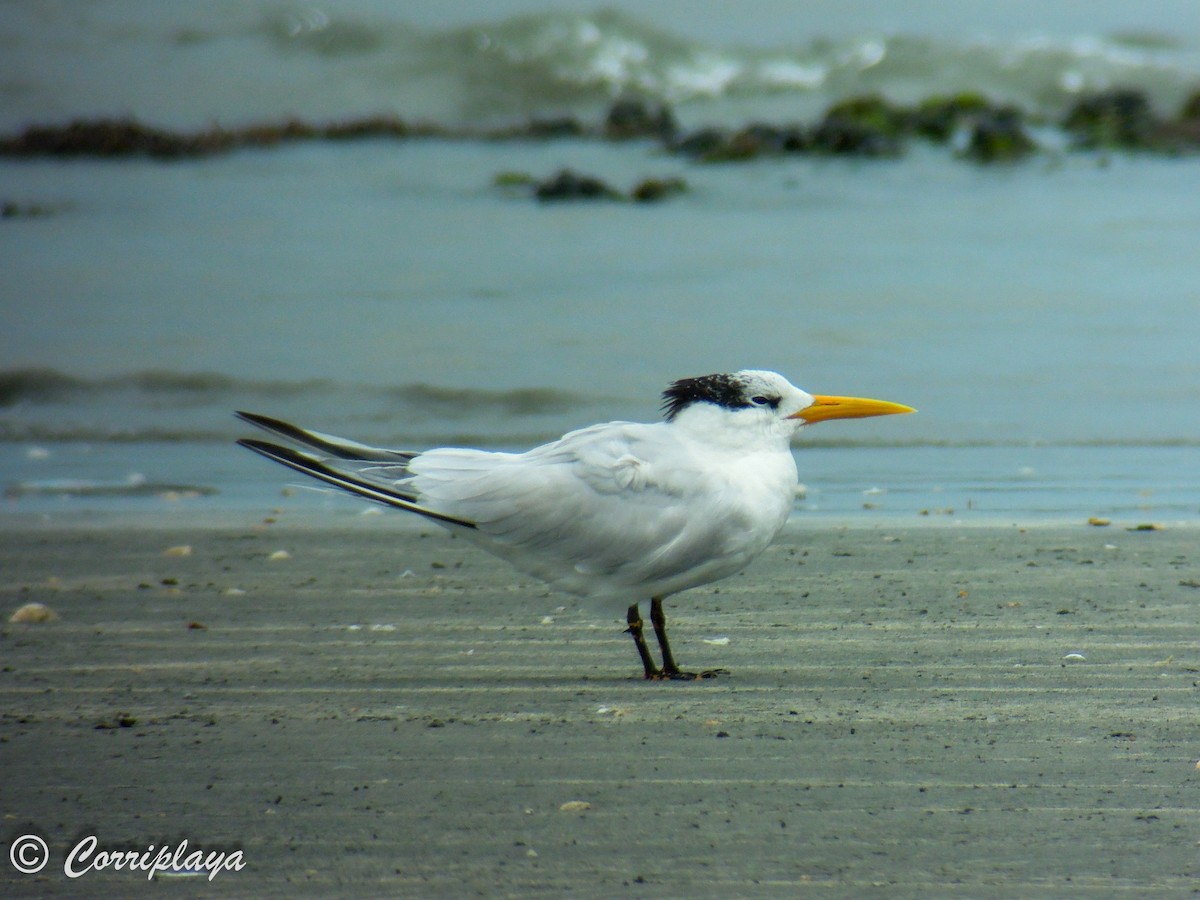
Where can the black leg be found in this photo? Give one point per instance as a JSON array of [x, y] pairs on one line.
[[634, 618], [670, 669], [659, 619]]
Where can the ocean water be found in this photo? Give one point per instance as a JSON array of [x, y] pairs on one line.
[[1044, 317]]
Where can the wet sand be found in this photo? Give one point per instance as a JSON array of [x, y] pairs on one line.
[[910, 711]]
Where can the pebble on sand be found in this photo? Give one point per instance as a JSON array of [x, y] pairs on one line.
[[33, 613]]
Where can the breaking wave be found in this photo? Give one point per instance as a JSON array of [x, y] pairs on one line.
[[48, 405], [576, 58], [569, 59], [43, 404], [42, 386], [263, 61]]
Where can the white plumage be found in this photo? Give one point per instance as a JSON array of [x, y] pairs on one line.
[[620, 512]]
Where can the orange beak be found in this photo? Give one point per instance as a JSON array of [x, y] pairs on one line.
[[823, 408]]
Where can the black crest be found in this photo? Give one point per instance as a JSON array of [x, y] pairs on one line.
[[728, 391]]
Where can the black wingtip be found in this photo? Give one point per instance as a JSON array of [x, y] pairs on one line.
[[267, 422], [286, 455], [259, 446], [301, 462], [290, 432]]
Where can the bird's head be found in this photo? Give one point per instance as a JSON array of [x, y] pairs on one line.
[[753, 396]]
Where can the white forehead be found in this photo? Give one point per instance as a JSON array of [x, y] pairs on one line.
[[757, 379], [760, 381]]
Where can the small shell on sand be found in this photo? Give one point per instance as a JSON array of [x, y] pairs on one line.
[[280, 554], [180, 550], [575, 806], [32, 613]]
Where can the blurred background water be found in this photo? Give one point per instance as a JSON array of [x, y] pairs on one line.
[[1044, 317]]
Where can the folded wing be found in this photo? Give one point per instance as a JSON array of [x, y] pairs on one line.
[[603, 509], [597, 512]]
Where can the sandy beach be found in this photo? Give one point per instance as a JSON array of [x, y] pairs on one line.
[[368, 709], [488, 225]]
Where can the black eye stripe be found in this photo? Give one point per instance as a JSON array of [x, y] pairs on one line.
[[728, 391]]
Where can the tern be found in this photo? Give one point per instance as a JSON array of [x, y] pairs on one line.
[[620, 513]]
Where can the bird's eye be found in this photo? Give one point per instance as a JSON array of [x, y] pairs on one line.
[[765, 401]]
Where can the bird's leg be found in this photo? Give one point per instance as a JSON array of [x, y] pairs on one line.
[[634, 618], [659, 619], [670, 669]]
